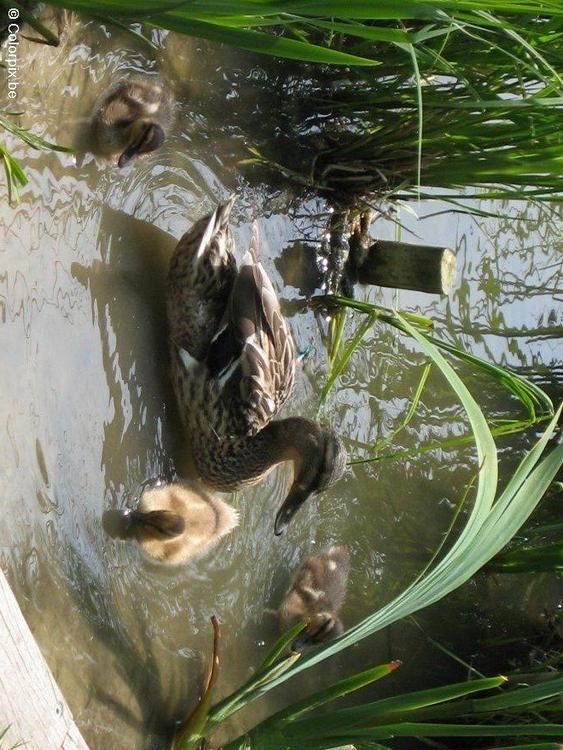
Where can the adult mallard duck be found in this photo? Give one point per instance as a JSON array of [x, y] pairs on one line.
[[316, 594], [173, 523], [233, 363], [132, 118]]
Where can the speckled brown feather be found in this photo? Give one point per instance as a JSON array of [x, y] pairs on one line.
[[267, 360], [205, 293], [200, 279]]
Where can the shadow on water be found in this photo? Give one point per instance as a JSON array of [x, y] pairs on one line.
[[298, 267], [128, 297], [127, 290], [162, 691]]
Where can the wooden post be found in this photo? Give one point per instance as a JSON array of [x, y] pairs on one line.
[[422, 268], [31, 703]]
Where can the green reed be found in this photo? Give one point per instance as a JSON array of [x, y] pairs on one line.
[[536, 549], [452, 711], [537, 406], [15, 176], [3, 734]]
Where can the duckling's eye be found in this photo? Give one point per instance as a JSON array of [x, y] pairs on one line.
[[125, 123]]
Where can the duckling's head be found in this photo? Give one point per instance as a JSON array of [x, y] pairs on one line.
[[127, 524], [144, 136], [322, 627], [319, 460]]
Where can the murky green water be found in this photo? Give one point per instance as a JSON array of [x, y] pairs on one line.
[[87, 414]]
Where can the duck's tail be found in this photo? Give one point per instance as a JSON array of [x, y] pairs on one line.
[[200, 278], [217, 223], [125, 524]]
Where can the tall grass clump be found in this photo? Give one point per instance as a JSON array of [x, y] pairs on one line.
[[459, 110], [394, 99]]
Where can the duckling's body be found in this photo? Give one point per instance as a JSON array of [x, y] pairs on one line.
[[233, 363], [316, 594], [173, 523], [132, 118]]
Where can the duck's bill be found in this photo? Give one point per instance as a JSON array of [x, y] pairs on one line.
[[302, 642], [150, 138], [322, 627], [291, 505], [129, 155]]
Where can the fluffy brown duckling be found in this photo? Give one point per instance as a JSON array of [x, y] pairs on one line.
[[316, 594], [173, 523], [132, 118]]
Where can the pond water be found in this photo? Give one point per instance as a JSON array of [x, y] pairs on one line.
[[87, 414]]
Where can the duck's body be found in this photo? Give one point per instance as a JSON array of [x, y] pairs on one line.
[[316, 594], [173, 523], [132, 118], [233, 362]]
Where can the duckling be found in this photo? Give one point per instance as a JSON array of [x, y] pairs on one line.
[[233, 367], [173, 523], [316, 594], [132, 118]]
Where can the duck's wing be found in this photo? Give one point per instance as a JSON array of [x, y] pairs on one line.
[[263, 376], [200, 279]]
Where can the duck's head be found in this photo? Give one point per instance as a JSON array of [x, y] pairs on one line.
[[144, 136], [322, 627], [319, 459]]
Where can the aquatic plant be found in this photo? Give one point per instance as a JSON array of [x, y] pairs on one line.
[[406, 98], [3, 733], [490, 525], [535, 402], [536, 549], [15, 176], [452, 711], [476, 105], [528, 559], [319, 31]]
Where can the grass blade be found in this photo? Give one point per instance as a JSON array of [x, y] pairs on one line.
[[281, 646], [338, 366], [338, 690], [384, 442]]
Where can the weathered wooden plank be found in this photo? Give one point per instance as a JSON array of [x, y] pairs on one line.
[[30, 700]]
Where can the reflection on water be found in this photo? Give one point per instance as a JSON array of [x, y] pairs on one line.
[[87, 413]]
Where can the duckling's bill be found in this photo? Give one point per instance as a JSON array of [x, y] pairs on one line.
[[145, 137]]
